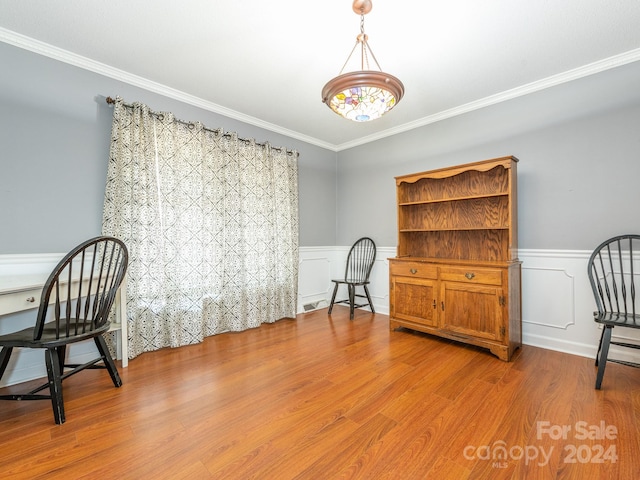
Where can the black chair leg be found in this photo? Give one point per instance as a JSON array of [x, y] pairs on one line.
[[108, 360], [55, 384], [62, 354], [352, 300], [5, 354], [333, 298], [600, 345], [366, 290], [604, 351]]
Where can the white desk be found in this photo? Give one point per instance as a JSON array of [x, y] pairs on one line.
[[23, 292]]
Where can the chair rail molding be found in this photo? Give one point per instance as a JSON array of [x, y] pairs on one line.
[[28, 263]]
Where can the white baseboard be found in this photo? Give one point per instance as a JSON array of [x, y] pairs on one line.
[[557, 302]]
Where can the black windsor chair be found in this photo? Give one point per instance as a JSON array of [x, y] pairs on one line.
[[74, 306], [614, 268], [359, 264]]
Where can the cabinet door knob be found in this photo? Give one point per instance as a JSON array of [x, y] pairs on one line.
[[469, 275], [31, 299], [434, 304], [414, 271]]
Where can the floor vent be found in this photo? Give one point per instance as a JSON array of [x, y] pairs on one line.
[[308, 307]]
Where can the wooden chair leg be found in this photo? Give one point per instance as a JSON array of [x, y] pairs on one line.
[[333, 297], [366, 291], [108, 360], [55, 384], [604, 351]]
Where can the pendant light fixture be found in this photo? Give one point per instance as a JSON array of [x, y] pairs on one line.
[[364, 94]]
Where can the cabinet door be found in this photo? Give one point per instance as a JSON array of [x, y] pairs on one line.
[[414, 299], [474, 310]]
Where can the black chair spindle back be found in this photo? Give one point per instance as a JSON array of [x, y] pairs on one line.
[[360, 260], [612, 270], [613, 267], [80, 292]]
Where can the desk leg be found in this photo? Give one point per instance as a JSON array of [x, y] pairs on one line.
[[121, 318]]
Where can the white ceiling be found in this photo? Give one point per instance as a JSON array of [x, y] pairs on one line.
[[265, 62]]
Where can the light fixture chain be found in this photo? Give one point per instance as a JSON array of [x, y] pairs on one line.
[[365, 57], [372, 55], [363, 39]]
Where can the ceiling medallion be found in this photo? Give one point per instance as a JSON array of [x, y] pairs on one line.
[[365, 94]]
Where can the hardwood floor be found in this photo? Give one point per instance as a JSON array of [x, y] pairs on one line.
[[328, 398]]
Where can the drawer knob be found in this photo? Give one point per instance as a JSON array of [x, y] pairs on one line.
[[469, 275], [31, 299], [414, 271]]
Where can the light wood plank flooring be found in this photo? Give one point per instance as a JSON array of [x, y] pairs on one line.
[[328, 398]]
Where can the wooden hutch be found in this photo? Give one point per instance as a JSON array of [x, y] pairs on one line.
[[457, 274]]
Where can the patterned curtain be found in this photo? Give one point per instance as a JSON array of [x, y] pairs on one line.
[[211, 223]]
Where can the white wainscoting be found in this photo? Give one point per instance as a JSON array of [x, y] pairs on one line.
[[26, 364], [557, 302], [558, 305], [318, 265]]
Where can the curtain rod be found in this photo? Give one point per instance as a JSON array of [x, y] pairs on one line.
[[111, 101]]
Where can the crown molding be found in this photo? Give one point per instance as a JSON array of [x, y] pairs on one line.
[[41, 48], [568, 76], [36, 46]]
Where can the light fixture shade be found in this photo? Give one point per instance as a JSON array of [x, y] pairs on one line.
[[363, 95]]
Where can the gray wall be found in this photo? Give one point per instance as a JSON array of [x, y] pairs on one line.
[[578, 176], [54, 142], [578, 145]]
